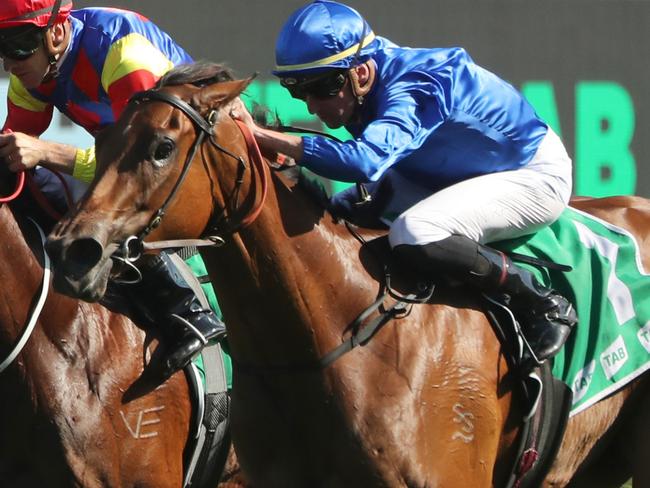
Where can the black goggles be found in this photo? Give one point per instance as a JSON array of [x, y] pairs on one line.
[[323, 86], [20, 43]]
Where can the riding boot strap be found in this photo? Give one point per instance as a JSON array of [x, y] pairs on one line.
[[528, 295], [547, 317], [487, 269]]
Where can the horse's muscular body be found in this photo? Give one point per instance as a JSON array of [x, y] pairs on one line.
[[426, 403]]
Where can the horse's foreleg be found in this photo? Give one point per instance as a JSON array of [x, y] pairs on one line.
[[232, 476]]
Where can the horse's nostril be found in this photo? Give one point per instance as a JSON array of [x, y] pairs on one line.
[[82, 255], [87, 249]]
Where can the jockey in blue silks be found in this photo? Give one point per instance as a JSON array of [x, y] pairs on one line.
[[458, 157]]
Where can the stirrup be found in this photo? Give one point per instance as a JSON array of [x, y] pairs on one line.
[[174, 361], [190, 327]]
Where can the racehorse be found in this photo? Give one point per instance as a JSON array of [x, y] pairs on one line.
[[428, 401], [76, 409]]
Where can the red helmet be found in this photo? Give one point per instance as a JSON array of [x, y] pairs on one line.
[[41, 13]]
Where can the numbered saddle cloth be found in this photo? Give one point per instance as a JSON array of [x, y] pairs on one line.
[[611, 292]]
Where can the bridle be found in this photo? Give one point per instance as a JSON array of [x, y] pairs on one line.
[[132, 248]]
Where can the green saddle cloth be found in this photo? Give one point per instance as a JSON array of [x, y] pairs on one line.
[[611, 293]]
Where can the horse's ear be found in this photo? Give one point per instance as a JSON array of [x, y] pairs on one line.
[[217, 94]]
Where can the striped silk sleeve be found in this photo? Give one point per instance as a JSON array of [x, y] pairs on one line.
[[133, 64], [24, 112]]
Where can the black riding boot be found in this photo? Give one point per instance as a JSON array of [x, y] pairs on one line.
[[547, 318], [172, 303]]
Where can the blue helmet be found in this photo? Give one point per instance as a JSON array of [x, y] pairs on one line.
[[320, 36]]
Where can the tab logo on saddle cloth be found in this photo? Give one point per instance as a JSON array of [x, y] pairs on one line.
[[582, 381], [611, 292], [614, 357], [644, 336]]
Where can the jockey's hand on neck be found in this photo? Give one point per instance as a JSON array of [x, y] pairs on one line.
[[270, 141]]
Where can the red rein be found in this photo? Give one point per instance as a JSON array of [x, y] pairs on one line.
[[36, 192], [258, 162], [20, 184]]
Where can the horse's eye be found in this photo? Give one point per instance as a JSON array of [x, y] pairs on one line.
[[163, 150]]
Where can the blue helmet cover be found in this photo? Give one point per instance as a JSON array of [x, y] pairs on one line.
[[320, 36]]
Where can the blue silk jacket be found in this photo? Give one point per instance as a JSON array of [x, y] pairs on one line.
[[436, 117]]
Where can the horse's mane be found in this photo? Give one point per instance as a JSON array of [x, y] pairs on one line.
[[201, 73]]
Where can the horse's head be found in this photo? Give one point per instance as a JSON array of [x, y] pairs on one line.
[[159, 158]]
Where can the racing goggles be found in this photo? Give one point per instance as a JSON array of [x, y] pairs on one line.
[[20, 43], [324, 86]]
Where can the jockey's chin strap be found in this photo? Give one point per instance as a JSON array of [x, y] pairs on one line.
[[133, 246]]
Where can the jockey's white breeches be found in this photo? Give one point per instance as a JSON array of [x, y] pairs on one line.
[[487, 208]]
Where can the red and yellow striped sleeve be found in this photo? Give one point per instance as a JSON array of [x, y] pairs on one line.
[[133, 64], [25, 113]]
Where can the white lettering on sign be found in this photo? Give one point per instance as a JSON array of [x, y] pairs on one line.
[[582, 380], [618, 293], [141, 428], [614, 357]]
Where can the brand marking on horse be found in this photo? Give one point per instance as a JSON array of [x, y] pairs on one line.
[[143, 419], [467, 427]]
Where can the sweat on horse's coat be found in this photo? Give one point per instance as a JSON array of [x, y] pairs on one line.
[[427, 402]]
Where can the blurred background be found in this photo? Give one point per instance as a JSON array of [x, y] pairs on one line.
[[584, 65]]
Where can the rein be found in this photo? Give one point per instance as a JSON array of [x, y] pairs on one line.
[[25, 177], [37, 308], [20, 184], [36, 191], [133, 246]]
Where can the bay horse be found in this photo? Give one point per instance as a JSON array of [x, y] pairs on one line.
[[427, 402], [70, 414]]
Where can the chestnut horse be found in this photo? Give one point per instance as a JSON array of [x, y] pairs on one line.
[[427, 402], [76, 410]]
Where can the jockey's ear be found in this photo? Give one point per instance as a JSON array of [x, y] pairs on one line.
[[362, 78], [55, 38], [218, 94]]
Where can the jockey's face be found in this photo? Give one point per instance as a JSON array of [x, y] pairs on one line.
[[32, 66], [335, 111], [30, 71]]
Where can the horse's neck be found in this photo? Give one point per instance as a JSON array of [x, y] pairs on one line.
[[19, 264], [20, 273], [61, 318], [292, 276]]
